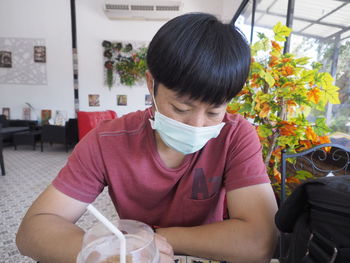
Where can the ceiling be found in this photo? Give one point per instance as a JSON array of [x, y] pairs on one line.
[[322, 19]]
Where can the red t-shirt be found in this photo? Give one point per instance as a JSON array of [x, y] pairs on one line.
[[122, 155]]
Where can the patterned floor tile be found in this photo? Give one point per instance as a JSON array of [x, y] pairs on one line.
[[27, 174]]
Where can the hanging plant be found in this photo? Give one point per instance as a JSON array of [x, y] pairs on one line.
[[129, 63]]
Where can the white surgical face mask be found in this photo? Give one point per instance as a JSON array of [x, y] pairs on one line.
[[182, 137]]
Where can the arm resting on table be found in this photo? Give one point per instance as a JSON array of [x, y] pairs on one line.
[[249, 235], [47, 232]]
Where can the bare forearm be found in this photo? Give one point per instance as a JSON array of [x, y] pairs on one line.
[[231, 240], [49, 238]]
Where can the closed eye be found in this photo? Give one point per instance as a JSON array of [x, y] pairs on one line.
[[179, 110], [213, 114]]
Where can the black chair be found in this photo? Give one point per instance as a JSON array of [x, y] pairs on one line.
[[67, 135], [322, 160]]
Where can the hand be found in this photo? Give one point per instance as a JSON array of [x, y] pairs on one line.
[[166, 252]]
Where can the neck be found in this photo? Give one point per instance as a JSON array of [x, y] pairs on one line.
[[169, 156]]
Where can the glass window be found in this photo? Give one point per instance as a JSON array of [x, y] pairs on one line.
[[321, 31], [244, 21], [268, 13]]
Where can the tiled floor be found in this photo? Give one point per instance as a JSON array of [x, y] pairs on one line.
[[27, 174]]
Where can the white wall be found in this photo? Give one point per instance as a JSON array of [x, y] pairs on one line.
[[229, 8], [93, 27], [49, 20]]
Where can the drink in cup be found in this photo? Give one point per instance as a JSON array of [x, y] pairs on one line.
[[100, 245]]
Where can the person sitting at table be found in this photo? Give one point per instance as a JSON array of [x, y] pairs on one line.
[[177, 165]]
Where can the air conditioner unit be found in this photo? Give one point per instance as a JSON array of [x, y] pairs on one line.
[[142, 10]]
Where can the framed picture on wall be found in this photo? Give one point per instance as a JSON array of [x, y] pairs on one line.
[[122, 100], [60, 118], [27, 113], [94, 100], [40, 54], [45, 116], [6, 112], [5, 59]]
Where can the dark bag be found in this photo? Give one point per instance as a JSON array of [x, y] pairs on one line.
[[317, 214]]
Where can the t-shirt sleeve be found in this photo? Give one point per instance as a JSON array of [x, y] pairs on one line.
[[82, 177], [245, 165]]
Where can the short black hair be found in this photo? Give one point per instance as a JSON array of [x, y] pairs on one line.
[[197, 55]]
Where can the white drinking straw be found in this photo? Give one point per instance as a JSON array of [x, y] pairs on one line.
[[113, 229]]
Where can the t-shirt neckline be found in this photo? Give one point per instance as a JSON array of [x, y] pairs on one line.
[[153, 147]]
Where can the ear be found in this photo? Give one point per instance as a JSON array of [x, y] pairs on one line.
[[150, 82]]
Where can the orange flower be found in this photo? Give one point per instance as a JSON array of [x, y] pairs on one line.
[[242, 92], [255, 76], [293, 179], [314, 95], [231, 110], [285, 60], [324, 139], [311, 135], [287, 129], [277, 78], [290, 105], [305, 144], [264, 110], [277, 175], [273, 61], [277, 153], [287, 70], [287, 84], [276, 46]]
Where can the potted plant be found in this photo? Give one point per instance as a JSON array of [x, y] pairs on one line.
[[278, 96]]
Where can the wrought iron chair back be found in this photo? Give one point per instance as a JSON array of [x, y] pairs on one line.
[[322, 162], [338, 162]]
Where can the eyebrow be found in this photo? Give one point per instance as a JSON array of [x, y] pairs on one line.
[[190, 102], [183, 100]]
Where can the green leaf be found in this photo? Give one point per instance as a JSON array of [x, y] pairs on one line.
[[325, 79], [316, 65], [302, 61], [281, 31], [257, 46], [301, 100], [269, 79], [246, 108], [330, 94], [256, 67], [308, 75], [264, 131], [290, 141], [261, 35], [321, 127], [265, 44], [303, 175]]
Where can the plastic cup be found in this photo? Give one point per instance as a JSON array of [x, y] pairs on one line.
[[100, 245]]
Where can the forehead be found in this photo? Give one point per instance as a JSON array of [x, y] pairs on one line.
[[183, 98]]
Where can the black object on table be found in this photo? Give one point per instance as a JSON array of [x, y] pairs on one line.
[[26, 138]]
